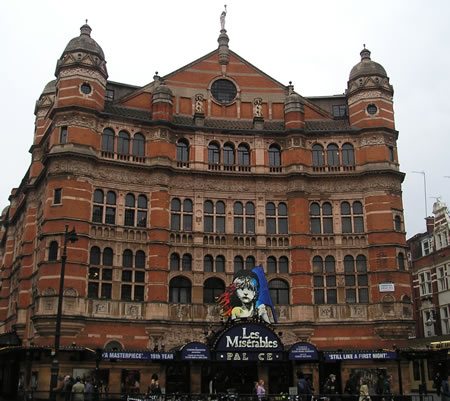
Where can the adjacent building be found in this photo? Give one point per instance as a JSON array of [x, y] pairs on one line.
[[171, 188]]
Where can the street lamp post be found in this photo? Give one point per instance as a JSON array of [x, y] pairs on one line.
[[72, 237]]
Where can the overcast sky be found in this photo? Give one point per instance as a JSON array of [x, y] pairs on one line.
[[312, 43]]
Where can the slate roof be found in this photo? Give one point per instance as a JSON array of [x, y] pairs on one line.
[[216, 123]]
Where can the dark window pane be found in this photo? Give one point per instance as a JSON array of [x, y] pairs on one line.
[[250, 225], [350, 295], [106, 291], [249, 209], [182, 151], [362, 280], [333, 155], [129, 217], [345, 208], [208, 207], [238, 225], [282, 226], [349, 264], [123, 143], [271, 226], [139, 277], [53, 251], [274, 156], [97, 214], [127, 258], [94, 257], [94, 273], [331, 297], [271, 265], [127, 276], [346, 225], [174, 262], [93, 290], [187, 222], [327, 210], [359, 224], [220, 224], [107, 274], [111, 198], [220, 207], [317, 264], [138, 145], [250, 262], [98, 196], [220, 264], [357, 208], [282, 209], [238, 208], [363, 295], [350, 281], [187, 205], [57, 194], [238, 263], [141, 218], [142, 202], [228, 155], [283, 265], [107, 257], [130, 200], [318, 281], [328, 225], [208, 263], [319, 297], [317, 155], [208, 224], [314, 209], [270, 209], [126, 292], [139, 260], [187, 262], [108, 140], [315, 226], [330, 281], [139, 293], [175, 222], [110, 216], [361, 264], [175, 205]]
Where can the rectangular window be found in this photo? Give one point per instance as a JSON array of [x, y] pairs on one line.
[[391, 154], [328, 225], [282, 225], [129, 217], [445, 319], [359, 224], [271, 226], [109, 94], [442, 279], [139, 293], [319, 296], [126, 292], [346, 225], [238, 225], [425, 283], [141, 218], [106, 291], [187, 222], [250, 225], [97, 214], [220, 224], [426, 247], [57, 196], [315, 226], [208, 224], [63, 135], [110, 217], [339, 110]]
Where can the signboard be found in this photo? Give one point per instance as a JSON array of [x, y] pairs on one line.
[[138, 356], [360, 355], [195, 351], [248, 342], [303, 352], [386, 287]]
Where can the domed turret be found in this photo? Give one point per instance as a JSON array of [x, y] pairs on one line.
[[83, 50], [367, 67], [369, 94], [81, 73]]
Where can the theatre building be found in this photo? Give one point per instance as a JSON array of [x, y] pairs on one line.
[[152, 197]]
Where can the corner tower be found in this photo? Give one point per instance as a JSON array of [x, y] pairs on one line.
[[81, 73], [369, 94]]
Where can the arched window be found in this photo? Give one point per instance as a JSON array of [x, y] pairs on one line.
[[249, 262], [274, 156], [113, 346], [139, 260], [180, 290], [208, 263], [186, 262], [183, 151], [352, 218], [100, 273], [214, 217], [324, 278], [238, 263], [243, 154], [123, 143], [398, 223], [244, 218], [271, 264], [317, 155], [348, 155], [228, 154], [332, 155], [401, 261], [133, 278], [138, 145], [175, 214], [174, 262], [283, 265], [127, 258], [279, 292], [220, 264], [142, 211], [276, 218], [321, 218], [108, 140], [212, 288], [130, 204], [53, 251], [213, 153], [356, 281]]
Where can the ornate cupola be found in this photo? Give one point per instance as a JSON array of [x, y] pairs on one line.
[[369, 94], [81, 73], [294, 114]]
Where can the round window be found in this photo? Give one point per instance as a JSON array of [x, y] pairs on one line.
[[224, 91], [86, 88], [372, 109]]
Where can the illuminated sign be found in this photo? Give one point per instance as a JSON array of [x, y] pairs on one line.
[[138, 356], [303, 352], [195, 351], [361, 355]]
